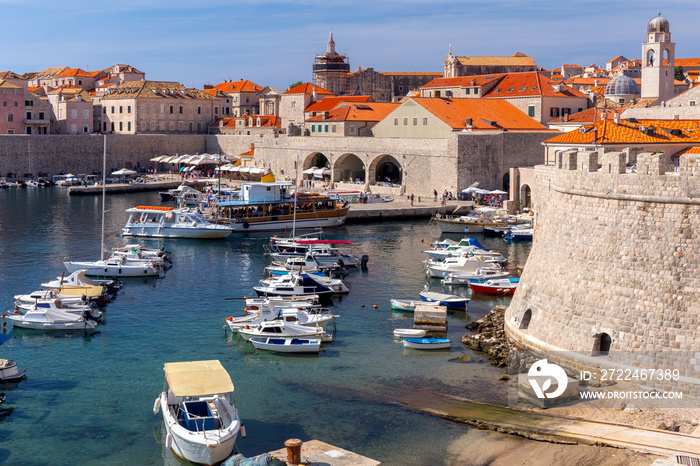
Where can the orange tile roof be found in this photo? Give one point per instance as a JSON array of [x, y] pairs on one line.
[[34, 88], [266, 121], [619, 56], [454, 113], [529, 84], [238, 86], [329, 103], [358, 111], [627, 132], [463, 81], [74, 72], [579, 81], [591, 115], [308, 88], [687, 61]]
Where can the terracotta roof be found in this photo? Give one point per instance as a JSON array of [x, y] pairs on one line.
[[155, 89], [607, 132], [238, 86], [329, 103], [308, 88], [265, 121], [9, 75], [687, 61], [529, 84], [249, 152], [74, 72], [589, 116], [579, 81], [358, 111], [34, 88], [415, 73], [454, 113], [8, 84], [48, 72], [516, 60], [572, 66], [617, 57], [463, 81]]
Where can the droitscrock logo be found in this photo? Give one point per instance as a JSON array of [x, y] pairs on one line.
[[541, 375]]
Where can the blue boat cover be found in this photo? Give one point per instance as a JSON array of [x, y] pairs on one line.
[[5, 338], [427, 340], [475, 242]]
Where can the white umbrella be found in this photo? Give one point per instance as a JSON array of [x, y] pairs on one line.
[[498, 191], [245, 170], [124, 172], [322, 171], [470, 189], [309, 171], [256, 170], [235, 169], [159, 158]]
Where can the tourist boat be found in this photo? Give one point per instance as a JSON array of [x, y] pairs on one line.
[[481, 275], [521, 234], [269, 206], [52, 319], [409, 333], [450, 301], [9, 372], [426, 343], [168, 222], [287, 345], [502, 286], [474, 222], [120, 266], [309, 316], [293, 284], [201, 421], [280, 328], [407, 304]]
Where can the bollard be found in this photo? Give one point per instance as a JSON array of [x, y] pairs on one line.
[[293, 450]]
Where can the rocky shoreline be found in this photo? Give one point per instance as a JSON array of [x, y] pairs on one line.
[[490, 337]]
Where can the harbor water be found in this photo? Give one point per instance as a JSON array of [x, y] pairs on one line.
[[88, 399]]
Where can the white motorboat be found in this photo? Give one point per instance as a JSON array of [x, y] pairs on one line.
[[450, 301], [32, 298], [409, 333], [457, 265], [280, 328], [167, 222], [306, 264], [287, 345], [280, 302], [308, 317], [466, 246], [293, 284], [116, 267], [201, 421], [408, 304], [137, 250], [67, 305], [52, 319], [9, 372], [426, 343], [79, 280], [474, 222], [324, 252], [481, 275]]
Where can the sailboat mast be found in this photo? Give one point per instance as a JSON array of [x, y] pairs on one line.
[[104, 168], [296, 195]]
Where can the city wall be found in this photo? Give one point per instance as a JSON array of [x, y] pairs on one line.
[[614, 260]]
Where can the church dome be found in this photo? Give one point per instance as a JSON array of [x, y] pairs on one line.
[[658, 24], [622, 85]]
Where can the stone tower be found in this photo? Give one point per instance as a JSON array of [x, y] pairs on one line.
[[658, 55], [331, 69]]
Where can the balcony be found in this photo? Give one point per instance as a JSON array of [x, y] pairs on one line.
[[36, 122]]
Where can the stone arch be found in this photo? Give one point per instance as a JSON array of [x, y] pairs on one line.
[[525, 321], [525, 196], [349, 167], [668, 57], [601, 344], [651, 57], [506, 182], [315, 160], [386, 168]]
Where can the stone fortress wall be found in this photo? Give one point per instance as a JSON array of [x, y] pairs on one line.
[[614, 261]]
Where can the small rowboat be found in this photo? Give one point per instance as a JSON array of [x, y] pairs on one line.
[[503, 286], [426, 343], [408, 333], [287, 345], [408, 304], [450, 301]]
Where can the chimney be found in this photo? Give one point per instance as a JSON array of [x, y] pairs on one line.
[[314, 94], [616, 117], [252, 146], [603, 116], [565, 117], [595, 83], [469, 123]]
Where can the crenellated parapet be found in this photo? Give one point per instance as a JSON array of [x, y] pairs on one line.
[[615, 256]]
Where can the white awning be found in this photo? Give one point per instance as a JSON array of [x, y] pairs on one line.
[[245, 170], [256, 170], [309, 171]]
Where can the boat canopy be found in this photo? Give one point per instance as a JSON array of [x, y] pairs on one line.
[[197, 378]]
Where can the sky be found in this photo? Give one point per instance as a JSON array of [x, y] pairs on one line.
[[273, 42]]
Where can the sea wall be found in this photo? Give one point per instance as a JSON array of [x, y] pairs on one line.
[[614, 259]]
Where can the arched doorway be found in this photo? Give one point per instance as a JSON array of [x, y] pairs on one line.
[[387, 170], [349, 168], [316, 160], [525, 196], [312, 166], [506, 182], [601, 345], [525, 323]]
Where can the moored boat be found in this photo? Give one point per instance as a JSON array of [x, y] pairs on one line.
[[408, 305], [52, 319], [287, 345], [9, 372], [503, 286], [409, 333], [168, 222], [481, 275], [450, 301], [201, 421], [293, 284], [426, 343], [280, 328]]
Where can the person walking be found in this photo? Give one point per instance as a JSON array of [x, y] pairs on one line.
[[411, 199], [435, 194]]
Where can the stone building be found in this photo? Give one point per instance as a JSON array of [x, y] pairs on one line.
[[624, 243], [71, 110], [246, 125], [142, 107], [456, 66], [658, 54], [11, 108], [269, 100], [331, 69], [294, 102], [37, 114], [244, 97], [347, 118]]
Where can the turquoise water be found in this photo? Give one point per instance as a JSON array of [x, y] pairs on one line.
[[89, 399]]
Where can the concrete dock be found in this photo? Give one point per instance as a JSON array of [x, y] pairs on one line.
[[317, 453], [399, 209], [121, 188]]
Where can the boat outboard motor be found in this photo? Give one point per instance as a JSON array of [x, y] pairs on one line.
[[87, 315], [363, 261]]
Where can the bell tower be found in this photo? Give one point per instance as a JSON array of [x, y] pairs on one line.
[[658, 61]]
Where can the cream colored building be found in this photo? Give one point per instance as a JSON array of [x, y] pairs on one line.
[[244, 97], [293, 103], [71, 110], [269, 100], [146, 107]]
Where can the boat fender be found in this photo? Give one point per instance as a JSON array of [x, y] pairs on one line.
[[246, 327], [230, 319], [246, 225], [169, 440], [243, 434], [156, 406]]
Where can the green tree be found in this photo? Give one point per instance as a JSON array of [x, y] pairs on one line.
[[678, 74], [298, 83]]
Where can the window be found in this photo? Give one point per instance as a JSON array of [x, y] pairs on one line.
[[153, 126], [73, 113], [333, 129], [425, 121], [143, 126], [396, 122], [199, 110], [104, 126], [497, 90], [112, 108], [325, 130], [352, 130], [128, 109], [74, 128], [10, 117], [601, 344], [86, 114], [104, 110], [15, 104], [28, 103], [511, 89], [531, 111], [525, 322], [566, 111], [128, 126], [41, 115], [405, 121], [580, 109], [86, 129], [692, 103], [293, 104], [112, 127], [313, 128], [553, 112], [4, 104], [29, 115], [199, 127], [162, 108], [191, 127], [466, 90], [524, 88], [29, 130], [121, 126], [121, 109], [80, 82], [17, 90], [216, 110], [400, 88], [10, 131], [180, 109], [415, 121], [172, 109]]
